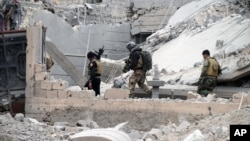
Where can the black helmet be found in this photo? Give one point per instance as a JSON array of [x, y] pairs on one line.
[[91, 55], [131, 45]]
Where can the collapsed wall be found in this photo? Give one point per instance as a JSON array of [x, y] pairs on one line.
[[47, 99]]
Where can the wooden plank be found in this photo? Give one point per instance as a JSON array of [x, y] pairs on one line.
[[65, 63]]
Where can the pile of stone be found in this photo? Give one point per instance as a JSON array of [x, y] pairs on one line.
[[197, 23]]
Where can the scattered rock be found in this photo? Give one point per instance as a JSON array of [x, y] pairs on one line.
[[156, 133], [87, 123], [59, 128], [183, 126], [19, 117], [195, 136]]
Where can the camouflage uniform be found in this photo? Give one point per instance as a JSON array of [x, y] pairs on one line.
[[135, 63], [210, 72]]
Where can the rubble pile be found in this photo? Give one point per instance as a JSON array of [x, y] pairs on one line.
[[210, 128], [220, 26]]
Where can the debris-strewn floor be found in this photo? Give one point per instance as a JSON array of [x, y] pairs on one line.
[[209, 128]]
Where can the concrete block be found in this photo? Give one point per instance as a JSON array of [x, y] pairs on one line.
[[40, 68], [245, 98], [116, 94], [52, 93], [87, 94], [37, 85], [156, 83], [40, 93], [60, 85], [62, 94], [41, 76], [46, 85], [73, 94]]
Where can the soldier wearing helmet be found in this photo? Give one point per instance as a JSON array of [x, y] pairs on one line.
[[135, 63], [94, 71]]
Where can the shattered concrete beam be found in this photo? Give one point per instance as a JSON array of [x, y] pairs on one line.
[[66, 64], [235, 75]]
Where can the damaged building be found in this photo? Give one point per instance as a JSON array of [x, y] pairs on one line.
[[41, 104]]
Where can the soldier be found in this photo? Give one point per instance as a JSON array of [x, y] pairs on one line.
[[135, 63], [94, 71], [210, 71]]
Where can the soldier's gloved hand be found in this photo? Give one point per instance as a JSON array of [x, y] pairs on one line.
[[125, 70], [101, 51]]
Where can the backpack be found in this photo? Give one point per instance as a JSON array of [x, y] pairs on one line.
[[147, 60]]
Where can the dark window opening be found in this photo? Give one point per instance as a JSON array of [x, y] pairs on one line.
[[140, 38]]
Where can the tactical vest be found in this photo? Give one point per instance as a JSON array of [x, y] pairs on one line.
[[213, 67], [99, 67]]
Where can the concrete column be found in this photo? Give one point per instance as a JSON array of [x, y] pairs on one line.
[[33, 56]]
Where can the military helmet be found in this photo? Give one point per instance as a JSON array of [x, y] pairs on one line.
[[131, 45], [91, 54]]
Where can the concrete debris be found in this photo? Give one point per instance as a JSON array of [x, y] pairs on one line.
[[61, 124], [87, 123], [156, 133], [195, 136], [211, 128], [183, 126], [19, 117], [59, 128]]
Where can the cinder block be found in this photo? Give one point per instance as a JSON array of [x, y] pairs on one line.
[[46, 85], [40, 93], [52, 93], [40, 68], [87, 94], [37, 84], [41, 76], [245, 98], [62, 94], [60, 85], [156, 83], [73, 94], [116, 94]]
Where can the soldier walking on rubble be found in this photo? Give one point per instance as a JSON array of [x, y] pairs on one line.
[[135, 62], [94, 71], [210, 71]]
